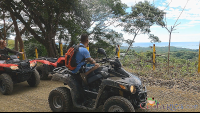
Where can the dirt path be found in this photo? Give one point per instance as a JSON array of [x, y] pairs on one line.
[[35, 99]]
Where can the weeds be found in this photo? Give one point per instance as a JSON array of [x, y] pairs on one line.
[[179, 68]]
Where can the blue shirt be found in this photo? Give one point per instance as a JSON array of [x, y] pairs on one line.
[[80, 55]]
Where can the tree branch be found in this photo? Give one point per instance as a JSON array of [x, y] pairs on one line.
[[181, 13]]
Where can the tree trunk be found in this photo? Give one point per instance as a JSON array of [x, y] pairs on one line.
[[16, 44], [50, 45], [132, 41], [18, 36], [4, 38], [169, 52]]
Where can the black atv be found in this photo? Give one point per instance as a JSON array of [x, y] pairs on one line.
[[110, 85], [16, 71]]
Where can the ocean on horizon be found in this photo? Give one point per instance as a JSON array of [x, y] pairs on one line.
[[188, 45]]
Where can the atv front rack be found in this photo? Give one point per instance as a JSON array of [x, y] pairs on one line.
[[62, 70]]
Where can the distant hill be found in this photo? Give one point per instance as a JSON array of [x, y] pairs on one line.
[[158, 49]]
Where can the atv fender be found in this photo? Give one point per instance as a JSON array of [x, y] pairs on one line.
[[46, 62], [68, 87]]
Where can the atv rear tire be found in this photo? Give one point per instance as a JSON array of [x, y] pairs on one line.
[[34, 80], [43, 74], [118, 104], [6, 84], [60, 100]]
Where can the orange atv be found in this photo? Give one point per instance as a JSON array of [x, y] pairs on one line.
[[16, 71], [48, 64]]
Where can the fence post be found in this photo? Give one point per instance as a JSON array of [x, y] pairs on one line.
[[199, 59], [87, 47], [36, 53], [154, 56], [23, 56], [61, 49], [118, 53]]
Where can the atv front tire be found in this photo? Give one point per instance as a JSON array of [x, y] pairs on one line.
[[60, 100], [34, 80], [43, 74], [6, 84], [118, 104]]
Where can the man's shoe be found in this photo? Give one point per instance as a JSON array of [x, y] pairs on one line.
[[84, 77]]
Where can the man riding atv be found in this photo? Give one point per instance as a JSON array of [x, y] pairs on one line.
[[12, 70], [110, 86], [82, 55]]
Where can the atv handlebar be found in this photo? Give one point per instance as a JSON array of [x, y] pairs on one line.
[[105, 60], [5, 55]]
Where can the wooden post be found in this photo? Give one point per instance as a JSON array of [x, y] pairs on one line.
[[23, 56], [199, 59], [36, 53], [154, 56], [118, 53], [87, 47], [61, 49]]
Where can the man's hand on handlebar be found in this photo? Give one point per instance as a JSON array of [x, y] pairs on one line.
[[21, 52], [96, 64]]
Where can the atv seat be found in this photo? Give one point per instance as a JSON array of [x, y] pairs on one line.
[[53, 60], [13, 61], [96, 75]]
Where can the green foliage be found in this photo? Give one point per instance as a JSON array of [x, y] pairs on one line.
[[159, 50], [11, 44], [142, 17], [149, 54], [109, 49], [185, 54], [104, 13], [30, 46]]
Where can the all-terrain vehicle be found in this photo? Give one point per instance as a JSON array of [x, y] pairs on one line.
[[109, 86], [48, 64], [15, 71]]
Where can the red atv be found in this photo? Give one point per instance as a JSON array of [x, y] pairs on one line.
[[16, 71], [48, 65]]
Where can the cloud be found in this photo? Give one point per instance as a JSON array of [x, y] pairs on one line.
[[189, 21], [132, 2], [191, 11]]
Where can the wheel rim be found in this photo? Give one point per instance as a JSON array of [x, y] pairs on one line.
[[115, 108], [2, 85], [57, 102]]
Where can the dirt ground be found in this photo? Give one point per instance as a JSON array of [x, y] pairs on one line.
[[35, 99]]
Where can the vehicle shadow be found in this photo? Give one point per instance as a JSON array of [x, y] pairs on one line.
[[100, 109], [22, 87]]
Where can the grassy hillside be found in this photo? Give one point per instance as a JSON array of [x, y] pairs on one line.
[[158, 49]]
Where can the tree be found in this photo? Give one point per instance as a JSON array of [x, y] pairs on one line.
[[6, 26], [48, 17], [18, 34], [140, 20], [172, 28], [104, 14], [8, 21]]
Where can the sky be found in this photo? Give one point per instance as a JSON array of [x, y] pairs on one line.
[[187, 31]]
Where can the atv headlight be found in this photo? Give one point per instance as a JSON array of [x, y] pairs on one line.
[[32, 64], [133, 89], [14, 67]]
